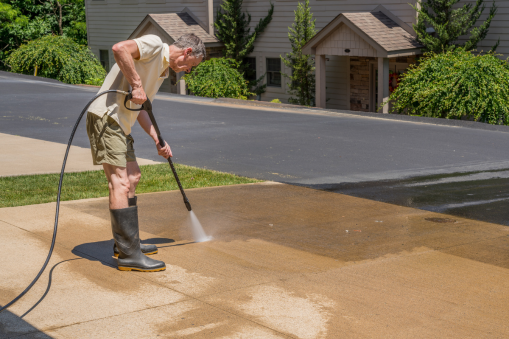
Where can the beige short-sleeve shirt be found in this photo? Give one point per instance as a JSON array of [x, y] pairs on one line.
[[152, 67]]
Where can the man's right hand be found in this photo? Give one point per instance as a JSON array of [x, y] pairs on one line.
[[139, 96]]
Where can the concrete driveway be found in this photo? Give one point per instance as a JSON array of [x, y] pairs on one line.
[[285, 262]]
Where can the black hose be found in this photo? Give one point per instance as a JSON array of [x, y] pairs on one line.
[[58, 200]]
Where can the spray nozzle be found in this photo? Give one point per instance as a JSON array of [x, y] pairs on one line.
[[188, 205]]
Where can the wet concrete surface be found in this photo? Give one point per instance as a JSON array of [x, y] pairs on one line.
[[475, 195], [285, 262]]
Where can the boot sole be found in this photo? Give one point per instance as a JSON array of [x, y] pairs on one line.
[[150, 253], [121, 268]]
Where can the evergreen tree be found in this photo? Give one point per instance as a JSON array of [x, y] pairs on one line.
[[450, 24], [302, 84], [233, 30]]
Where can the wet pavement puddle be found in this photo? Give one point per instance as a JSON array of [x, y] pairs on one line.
[[480, 196]]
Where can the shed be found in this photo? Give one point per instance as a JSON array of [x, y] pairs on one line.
[[378, 35]]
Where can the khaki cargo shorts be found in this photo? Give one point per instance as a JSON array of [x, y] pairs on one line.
[[108, 142]]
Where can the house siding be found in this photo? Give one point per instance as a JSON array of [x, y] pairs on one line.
[[499, 28], [342, 38], [110, 21]]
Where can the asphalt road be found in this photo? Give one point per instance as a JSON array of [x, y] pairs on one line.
[[338, 152]]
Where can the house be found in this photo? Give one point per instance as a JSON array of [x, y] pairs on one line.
[[378, 35], [170, 26]]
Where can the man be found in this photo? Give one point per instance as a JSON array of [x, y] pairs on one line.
[[142, 65]]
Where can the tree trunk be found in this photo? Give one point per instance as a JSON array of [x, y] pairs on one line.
[[59, 18]]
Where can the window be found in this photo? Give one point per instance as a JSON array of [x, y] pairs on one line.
[[273, 72], [250, 68], [104, 58]]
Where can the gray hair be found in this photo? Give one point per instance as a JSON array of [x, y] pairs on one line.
[[190, 40]]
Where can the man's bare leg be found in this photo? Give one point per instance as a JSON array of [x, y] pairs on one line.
[[134, 175], [118, 184], [122, 183]]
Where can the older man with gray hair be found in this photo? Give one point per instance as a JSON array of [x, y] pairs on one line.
[[142, 65]]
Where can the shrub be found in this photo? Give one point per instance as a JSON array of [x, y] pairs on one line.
[[456, 84], [57, 57], [94, 82], [276, 101], [218, 77]]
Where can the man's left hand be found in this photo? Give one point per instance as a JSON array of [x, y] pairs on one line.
[[165, 151]]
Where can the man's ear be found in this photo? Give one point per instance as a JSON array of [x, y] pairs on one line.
[[188, 51]]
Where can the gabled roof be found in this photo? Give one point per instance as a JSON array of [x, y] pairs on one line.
[[380, 31], [175, 25], [383, 30]]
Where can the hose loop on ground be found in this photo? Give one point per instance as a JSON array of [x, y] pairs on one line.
[[58, 198]]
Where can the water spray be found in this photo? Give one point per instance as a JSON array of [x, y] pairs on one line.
[[198, 232]]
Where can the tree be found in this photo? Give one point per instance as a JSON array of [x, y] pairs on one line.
[[67, 17], [16, 28], [57, 57], [218, 78], [450, 24], [24, 20], [456, 84], [302, 84], [233, 30]]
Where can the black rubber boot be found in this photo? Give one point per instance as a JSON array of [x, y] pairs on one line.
[[124, 225], [145, 249], [132, 201]]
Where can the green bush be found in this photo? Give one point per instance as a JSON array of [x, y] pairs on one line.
[[94, 82], [276, 101], [57, 57], [456, 84], [218, 78]]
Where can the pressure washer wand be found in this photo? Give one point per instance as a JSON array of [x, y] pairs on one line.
[[147, 106]]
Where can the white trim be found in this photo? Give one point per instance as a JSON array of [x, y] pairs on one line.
[[195, 18]]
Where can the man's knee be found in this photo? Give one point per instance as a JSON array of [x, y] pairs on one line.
[[135, 178], [121, 184]]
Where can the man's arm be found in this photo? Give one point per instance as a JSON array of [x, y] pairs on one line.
[[124, 53], [146, 124]]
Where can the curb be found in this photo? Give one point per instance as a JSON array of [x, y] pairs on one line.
[[29, 77], [397, 117], [261, 104]]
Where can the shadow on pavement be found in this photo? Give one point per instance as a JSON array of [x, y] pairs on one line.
[[102, 251], [12, 326]]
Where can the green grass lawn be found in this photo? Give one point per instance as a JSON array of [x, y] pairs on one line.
[[38, 189]]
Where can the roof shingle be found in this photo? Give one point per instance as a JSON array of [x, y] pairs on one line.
[[383, 30], [177, 24]]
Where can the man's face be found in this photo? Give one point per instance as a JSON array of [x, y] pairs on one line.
[[185, 62]]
